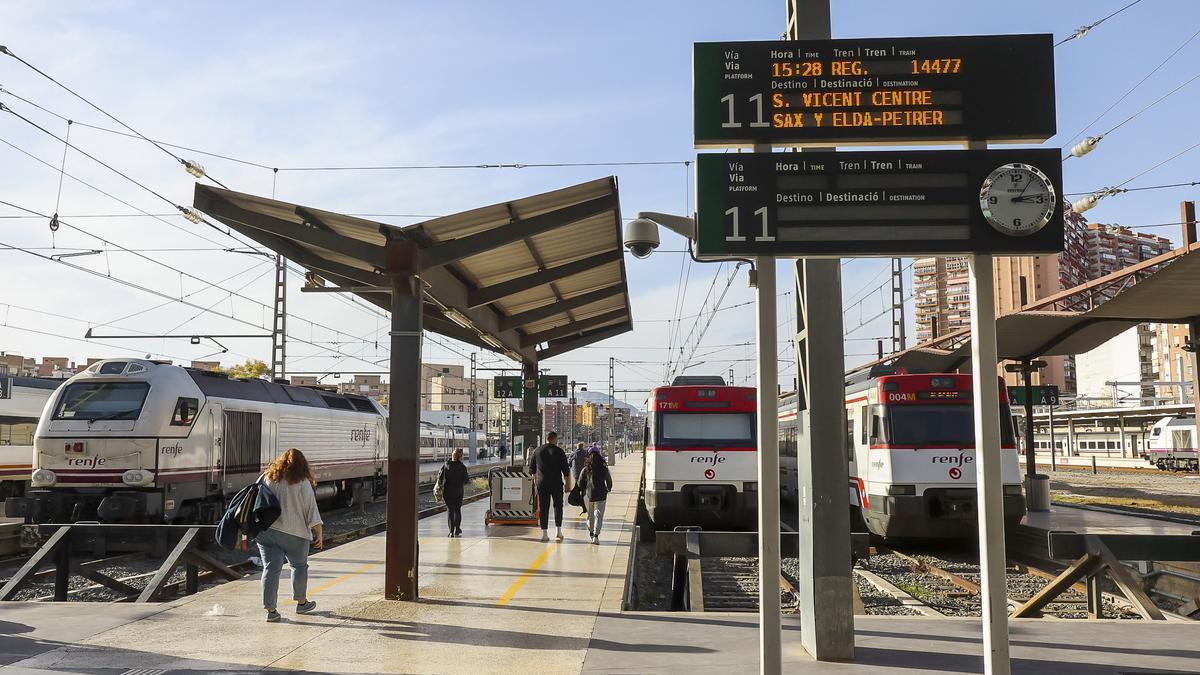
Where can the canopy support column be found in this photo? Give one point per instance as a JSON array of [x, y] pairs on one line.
[[529, 402], [404, 422]]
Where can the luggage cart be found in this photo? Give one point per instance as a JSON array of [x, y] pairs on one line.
[[513, 498]]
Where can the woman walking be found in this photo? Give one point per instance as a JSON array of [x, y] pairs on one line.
[[453, 479], [597, 483], [290, 478]]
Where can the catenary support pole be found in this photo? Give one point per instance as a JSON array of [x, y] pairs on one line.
[[404, 423], [529, 403], [1030, 458], [826, 585], [987, 467], [1194, 340], [473, 436], [769, 563], [1053, 442]]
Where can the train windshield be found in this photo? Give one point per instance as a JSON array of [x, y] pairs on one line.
[[93, 401], [706, 429], [919, 425]]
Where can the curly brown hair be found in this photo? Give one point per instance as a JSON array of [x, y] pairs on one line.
[[290, 466]]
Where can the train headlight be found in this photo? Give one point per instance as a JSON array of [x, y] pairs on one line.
[[43, 478], [1013, 490], [137, 477], [666, 486], [902, 490]]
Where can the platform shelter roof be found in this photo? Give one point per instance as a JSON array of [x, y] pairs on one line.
[[532, 278], [1164, 289]]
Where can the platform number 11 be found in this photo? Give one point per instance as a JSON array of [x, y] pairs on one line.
[[731, 123], [737, 230]]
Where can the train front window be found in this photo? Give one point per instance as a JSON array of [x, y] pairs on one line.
[[94, 401], [919, 425], [706, 429]]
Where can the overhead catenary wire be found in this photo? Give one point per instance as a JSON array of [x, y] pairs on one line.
[[1134, 87], [1084, 30], [81, 97]]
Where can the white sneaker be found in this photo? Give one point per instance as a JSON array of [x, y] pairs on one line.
[[559, 536], [545, 536], [595, 540]]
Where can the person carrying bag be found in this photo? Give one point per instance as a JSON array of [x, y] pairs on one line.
[[595, 483]]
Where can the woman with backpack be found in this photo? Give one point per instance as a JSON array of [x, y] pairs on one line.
[[291, 480], [451, 482], [596, 482]]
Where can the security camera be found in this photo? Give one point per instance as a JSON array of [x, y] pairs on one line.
[[641, 237]]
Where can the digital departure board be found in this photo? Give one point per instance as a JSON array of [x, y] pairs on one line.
[[998, 88], [880, 203]]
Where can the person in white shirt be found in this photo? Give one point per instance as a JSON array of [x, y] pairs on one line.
[[290, 478]]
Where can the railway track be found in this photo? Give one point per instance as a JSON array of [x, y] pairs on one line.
[[930, 586], [99, 592]]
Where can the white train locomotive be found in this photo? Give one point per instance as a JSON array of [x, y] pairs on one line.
[[130, 440], [911, 453], [1172, 445]]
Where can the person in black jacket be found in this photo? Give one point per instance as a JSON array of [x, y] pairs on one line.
[[453, 477], [596, 482], [551, 472]]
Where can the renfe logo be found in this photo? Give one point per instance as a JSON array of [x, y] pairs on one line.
[[172, 450], [710, 474], [360, 436], [959, 460], [955, 472], [713, 459], [86, 462]]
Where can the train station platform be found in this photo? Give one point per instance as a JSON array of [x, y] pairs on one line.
[[500, 601], [1030, 537]]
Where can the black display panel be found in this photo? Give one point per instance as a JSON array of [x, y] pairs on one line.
[[998, 88], [877, 203]]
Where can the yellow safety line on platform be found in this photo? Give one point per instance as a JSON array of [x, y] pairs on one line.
[[516, 585], [337, 580]]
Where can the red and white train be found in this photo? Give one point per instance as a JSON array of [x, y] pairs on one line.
[[701, 458], [911, 452], [130, 440]]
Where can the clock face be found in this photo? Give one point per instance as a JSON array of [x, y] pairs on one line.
[[1017, 199]]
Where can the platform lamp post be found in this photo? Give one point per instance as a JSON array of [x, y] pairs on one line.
[[641, 238], [574, 421], [1026, 369]]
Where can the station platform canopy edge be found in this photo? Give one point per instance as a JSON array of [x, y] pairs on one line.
[[1167, 293], [532, 278]]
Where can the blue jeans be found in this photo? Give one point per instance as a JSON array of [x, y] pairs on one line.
[[274, 547]]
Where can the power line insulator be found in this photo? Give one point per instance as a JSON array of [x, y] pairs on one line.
[[1085, 204], [1085, 146]]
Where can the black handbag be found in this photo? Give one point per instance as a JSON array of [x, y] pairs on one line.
[[575, 496]]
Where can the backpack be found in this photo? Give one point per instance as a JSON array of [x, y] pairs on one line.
[[251, 511], [439, 488]]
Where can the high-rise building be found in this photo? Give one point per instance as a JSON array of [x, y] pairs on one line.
[[1090, 251]]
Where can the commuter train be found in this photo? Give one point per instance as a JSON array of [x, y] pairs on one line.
[[911, 455], [130, 440], [701, 455], [1172, 445], [21, 403]]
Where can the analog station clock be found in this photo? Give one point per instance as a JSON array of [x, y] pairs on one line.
[[1017, 199]]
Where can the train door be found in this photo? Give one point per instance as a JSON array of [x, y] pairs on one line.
[[216, 439], [270, 449], [381, 443], [241, 448]]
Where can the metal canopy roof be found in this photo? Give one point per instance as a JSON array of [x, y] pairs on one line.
[[532, 278], [1168, 293]]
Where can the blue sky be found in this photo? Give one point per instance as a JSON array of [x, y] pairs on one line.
[[305, 83]]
